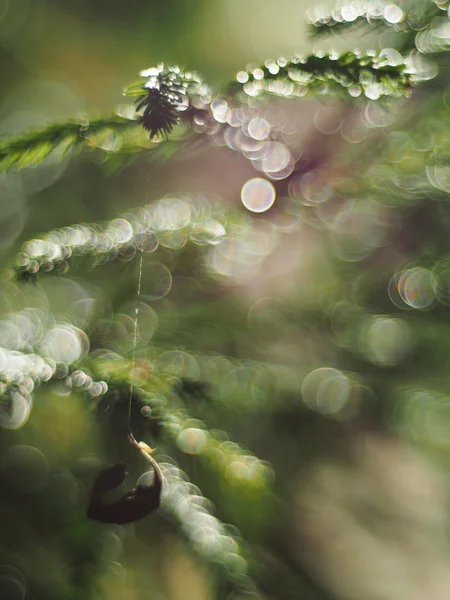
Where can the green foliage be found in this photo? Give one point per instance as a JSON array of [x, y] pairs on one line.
[[376, 16], [160, 343], [187, 94], [353, 70], [32, 148]]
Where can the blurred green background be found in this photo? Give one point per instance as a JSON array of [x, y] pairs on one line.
[[319, 331]]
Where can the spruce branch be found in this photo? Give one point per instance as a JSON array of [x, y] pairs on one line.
[[374, 74], [169, 222], [32, 355], [348, 16], [375, 15], [31, 148], [183, 504], [244, 478], [215, 542], [20, 375], [167, 95], [191, 436], [163, 94]]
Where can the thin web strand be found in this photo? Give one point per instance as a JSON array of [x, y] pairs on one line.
[[135, 339]]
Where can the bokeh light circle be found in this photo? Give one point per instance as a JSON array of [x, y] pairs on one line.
[[259, 128], [326, 390], [415, 287], [156, 281], [258, 195], [65, 343], [192, 440], [15, 412]]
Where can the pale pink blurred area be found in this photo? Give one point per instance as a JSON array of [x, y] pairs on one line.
[[374, 524]]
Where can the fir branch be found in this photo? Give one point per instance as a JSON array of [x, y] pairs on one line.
[[166, 95], [376, 15], [20, 375], [31, 148], [242, 474], [163, 94], [221, 547], [212, 540], [170, 222], [373, 74], [165, 100], [346, 17], [321, 28], [34, 358], [243, 471], [192, 437]]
